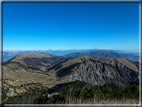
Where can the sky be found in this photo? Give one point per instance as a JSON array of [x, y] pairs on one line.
[[64, 26]]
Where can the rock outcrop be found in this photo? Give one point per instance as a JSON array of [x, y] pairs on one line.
[[98, 70]]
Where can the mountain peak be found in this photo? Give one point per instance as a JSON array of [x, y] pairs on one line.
[[44, 53]]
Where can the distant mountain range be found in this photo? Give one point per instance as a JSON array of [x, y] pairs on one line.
[[104, 53], [95, 70], [76, 53], [10, 54]]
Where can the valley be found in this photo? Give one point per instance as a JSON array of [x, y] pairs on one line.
[[39, 72]]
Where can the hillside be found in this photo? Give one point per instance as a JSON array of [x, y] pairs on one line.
[[29, 68], [39, 61], [23, 72], [97, 70]]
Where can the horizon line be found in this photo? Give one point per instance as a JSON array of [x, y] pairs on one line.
[[136, 50]]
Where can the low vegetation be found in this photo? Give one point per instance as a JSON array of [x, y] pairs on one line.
[[80, 93]]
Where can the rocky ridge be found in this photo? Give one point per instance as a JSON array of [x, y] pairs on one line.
[[51, 70], [98, 70]]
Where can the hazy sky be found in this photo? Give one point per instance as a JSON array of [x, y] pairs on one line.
[[34, 26]]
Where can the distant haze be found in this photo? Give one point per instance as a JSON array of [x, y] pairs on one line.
[[8, 54]]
